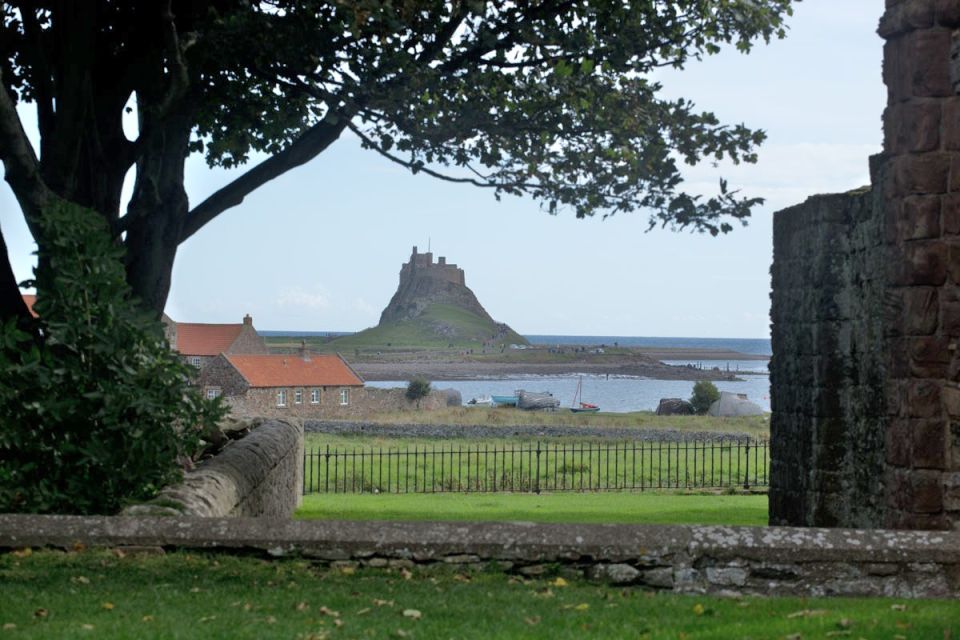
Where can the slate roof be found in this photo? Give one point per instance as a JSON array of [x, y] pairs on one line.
[[195, 339], [295, 371]]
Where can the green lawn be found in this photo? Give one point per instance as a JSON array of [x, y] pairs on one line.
[[179, 595], [400, 465], [628, 508], [467, 331]]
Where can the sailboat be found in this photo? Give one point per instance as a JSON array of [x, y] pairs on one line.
[[579, 406]]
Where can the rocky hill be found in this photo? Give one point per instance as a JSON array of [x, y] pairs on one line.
[[433, 307]]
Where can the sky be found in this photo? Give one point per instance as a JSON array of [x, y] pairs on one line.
[[320, 248]]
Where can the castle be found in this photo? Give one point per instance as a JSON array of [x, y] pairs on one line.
[[421, 265], [423, 283]]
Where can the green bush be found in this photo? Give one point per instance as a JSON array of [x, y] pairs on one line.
[[705, 393], [417, 389], [95, 410]]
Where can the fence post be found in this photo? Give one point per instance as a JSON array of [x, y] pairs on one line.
[[746, 473], [536, 479], [326, 467]]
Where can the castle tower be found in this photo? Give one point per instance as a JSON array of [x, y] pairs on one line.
[[424, 282]]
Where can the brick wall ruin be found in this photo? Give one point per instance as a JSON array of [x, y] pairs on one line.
[[866, 311]]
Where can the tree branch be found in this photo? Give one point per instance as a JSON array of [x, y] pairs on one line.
[[305, 148], [20, 164], [483, 182]]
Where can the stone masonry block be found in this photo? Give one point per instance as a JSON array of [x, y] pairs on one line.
[[951, 124], [950, 311], [922, 174], [905, 17], [920, 311], [951, 401], [929, 356], [917, 127], [921, 263], [954, 182], [923, 399], [919, 218], [926, 491], [899, 442], [929, 62], [950, 214], [930, 444], [953, 261], [948, 13]]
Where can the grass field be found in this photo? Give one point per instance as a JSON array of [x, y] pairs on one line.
[[380, 465], [179, 595], [758, 426], [465, 331], [626, 508]]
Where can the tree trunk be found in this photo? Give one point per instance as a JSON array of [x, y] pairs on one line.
[[157, 212]]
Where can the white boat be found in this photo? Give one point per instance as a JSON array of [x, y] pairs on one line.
[[482, 401]]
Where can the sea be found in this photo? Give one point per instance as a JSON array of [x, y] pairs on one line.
[[616, 393]]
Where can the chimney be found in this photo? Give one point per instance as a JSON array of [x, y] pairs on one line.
[[248, 320], [414, 249], [304, 354]]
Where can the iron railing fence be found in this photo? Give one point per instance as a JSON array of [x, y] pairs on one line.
[[539, 467]]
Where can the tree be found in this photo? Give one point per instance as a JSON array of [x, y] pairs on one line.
[[417, 389], [705, 393], [550, 99], [99, 410]]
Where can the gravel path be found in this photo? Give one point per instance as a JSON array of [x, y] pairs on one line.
[[507, 431]]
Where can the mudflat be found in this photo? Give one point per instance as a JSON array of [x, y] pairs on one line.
[[542, 362]]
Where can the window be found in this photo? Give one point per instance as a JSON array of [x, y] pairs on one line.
[[282, 398], [344, 396], [195, 361], [298, 396], [213, 392], [315, 396]]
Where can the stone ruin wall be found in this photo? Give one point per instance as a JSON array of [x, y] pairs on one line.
[[866, 310], [826, 373]]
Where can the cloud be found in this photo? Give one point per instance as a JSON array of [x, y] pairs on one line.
[[298, 297], [788, 174]]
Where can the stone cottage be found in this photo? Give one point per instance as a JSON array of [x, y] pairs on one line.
[[302, 385], [199, 344]]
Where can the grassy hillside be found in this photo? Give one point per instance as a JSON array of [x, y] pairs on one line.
[[439, 326]]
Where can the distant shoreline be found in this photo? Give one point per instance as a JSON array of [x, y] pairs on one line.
[[565, 359]]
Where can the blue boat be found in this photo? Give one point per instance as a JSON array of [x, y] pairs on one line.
[[510, 401]]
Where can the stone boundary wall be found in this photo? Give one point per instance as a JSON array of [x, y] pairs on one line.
[[260, 475], [682, 559], [361, 428]]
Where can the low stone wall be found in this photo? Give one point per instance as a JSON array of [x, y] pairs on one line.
[[412, 430], [683, 559], [258, 475], [364, 401]]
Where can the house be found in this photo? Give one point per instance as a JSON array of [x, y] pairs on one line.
[[199, 344], [29, 299], [302, 384]]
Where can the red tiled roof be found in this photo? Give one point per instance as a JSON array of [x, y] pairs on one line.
[[195, 339], [293, 371], [29, 300]]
